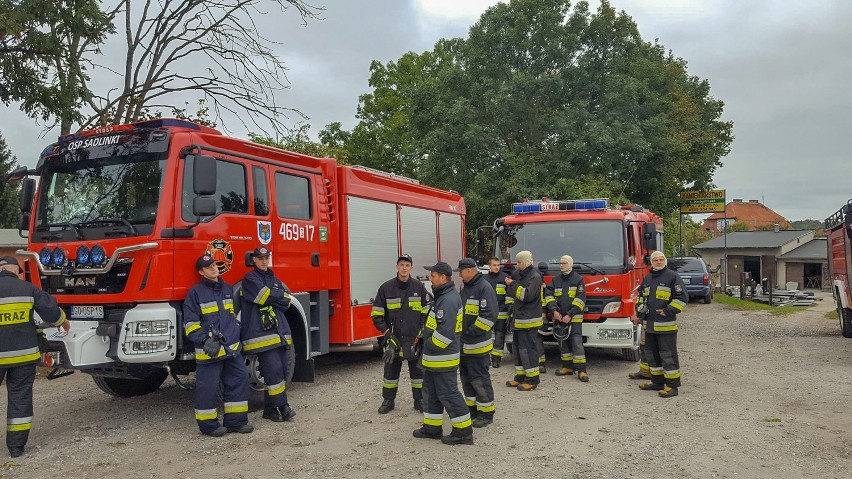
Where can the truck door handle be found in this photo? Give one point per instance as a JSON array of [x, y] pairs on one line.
[[315, 259]]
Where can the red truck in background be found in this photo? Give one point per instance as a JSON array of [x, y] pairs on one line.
[[121, 213], [611, 248], [838, 227]]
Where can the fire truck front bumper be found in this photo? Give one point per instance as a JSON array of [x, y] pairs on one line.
[[611, 333], [147, 333]]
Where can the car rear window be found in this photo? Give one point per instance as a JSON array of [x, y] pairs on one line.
[[686, 265]]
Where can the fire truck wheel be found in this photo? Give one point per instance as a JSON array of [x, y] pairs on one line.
[[845, 316], [125, 388], [630, 354]]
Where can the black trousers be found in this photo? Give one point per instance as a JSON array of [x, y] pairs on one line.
[[19, 411], [499, 337], [440, 392], [390, 382], [526, 352], [571, 349], [273, 368], [231, 372], [476, 383], [662, 358]]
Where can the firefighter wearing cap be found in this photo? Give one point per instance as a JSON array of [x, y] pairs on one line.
[[441, 358], [19, 351], [661, 297], [209, 322], [480, 315], [264, 331], [565, 299], [399, 311], [527, 315], [497, 279]]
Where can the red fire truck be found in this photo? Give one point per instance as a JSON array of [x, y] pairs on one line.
[[838, 227], [121, 213], [611, 248]]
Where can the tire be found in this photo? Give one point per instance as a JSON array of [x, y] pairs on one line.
[[127, 388], [630, 354], [708, 298], [291, 363], [845, 316]]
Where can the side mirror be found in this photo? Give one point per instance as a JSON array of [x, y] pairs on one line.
[[647, 259], [649, 236], [203, 207], [542, 266], [18, 174], [480, 243], [24, 222], [204, 175], [27, 195]]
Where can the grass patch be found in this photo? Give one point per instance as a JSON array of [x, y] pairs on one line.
[[772, 419], [832, 315], [746, 305]]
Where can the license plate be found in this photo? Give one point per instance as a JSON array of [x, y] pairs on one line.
[[80, 312], [685, 280]]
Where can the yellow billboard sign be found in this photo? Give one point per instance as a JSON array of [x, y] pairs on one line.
[[712, 201]]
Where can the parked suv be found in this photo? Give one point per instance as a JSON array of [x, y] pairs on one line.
[[695, 277]]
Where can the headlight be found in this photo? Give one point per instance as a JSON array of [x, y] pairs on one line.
[[84, 255], [611, 307], [149, 328], [45, 255], [98, 255], [58, 257], [149, 346]]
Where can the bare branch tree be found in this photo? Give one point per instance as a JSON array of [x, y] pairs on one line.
[[239, 71]]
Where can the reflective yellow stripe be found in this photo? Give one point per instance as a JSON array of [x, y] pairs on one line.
[[236, 407], [438, 342], [415, 305], [210, 309], [190, 327], [206, 414], [21, 359], [673, 327], [250, 346], [428, 421], [450, 363], [19, 427], [463, 424], [15, 313]]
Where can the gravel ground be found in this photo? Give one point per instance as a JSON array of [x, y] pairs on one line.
[[763, 397]]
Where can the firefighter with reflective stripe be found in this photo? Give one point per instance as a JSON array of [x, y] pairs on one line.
[[19, 352], [565, 299], [662, 297], [480, 315], [527, 316], [209, 322], [441, 341], [264, 331], [399, 311], [497, 279]]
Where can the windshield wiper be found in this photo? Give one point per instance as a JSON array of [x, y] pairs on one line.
[[121, 221], [589, 265], [53, 236]]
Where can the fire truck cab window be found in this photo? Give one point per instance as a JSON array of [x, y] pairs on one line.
[[231, 192], [292, 196], [261, 194]]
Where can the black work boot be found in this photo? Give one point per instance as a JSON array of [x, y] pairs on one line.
[[273, 414], [386, 407], [651, 387], [418, 405], [244, 429], [287, 412], [456, 438], [495, 361], [218, 432], [16, 451], [424, 433], [542, 368], [668, 392], [483, 419]]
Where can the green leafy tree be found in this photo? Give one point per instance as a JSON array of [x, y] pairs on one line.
[[9, 194], [543, 99], [298, 140]]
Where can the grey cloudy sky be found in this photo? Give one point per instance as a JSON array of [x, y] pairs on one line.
[[781, 67]]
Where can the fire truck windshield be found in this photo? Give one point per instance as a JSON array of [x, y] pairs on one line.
[[601, 245], [85, 198]]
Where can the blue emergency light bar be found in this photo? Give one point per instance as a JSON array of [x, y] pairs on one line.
[[544, 206]]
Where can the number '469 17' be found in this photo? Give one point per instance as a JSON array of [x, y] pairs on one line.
[[294, 232]]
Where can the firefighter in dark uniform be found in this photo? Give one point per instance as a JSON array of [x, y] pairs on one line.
[[19, 351], [209, 322], [661, 297], [565, 299], [497, 279], [399, 311], [441, 352], [527, 316], [264, 331], [480, 315]]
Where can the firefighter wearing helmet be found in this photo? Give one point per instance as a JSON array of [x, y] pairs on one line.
[[565, 299], [399, 310], [661, 297], [265, 332], [209, 322]]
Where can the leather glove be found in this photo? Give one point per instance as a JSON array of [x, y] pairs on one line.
[[268, 320], [391, 351], [211, 347], [417, 347]]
